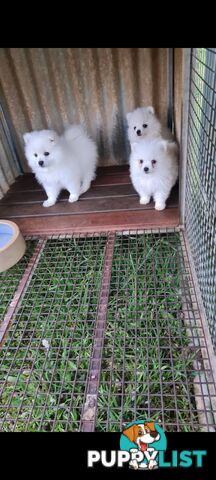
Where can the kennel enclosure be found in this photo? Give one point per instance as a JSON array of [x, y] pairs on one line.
[[110, 316]]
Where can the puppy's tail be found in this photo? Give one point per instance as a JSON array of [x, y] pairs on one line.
[[73, 132]]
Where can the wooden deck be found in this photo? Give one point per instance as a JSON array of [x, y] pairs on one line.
[[110, 204]]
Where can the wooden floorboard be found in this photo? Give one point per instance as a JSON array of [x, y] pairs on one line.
[[30, 183], [110, 204], [98, 222], [38, 196]]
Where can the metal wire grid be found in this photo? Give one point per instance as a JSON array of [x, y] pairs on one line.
[[44, 361], [9, 280], [201, 177], [151, 357]]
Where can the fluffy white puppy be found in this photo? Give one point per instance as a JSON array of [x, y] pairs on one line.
[[144, 124], [154, 170], [61, 162]]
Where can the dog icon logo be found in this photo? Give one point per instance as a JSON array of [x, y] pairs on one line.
[[143, 439]]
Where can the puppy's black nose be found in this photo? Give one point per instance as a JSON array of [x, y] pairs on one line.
[[154, 434], [41, 162], [146, 169], [139, 132]]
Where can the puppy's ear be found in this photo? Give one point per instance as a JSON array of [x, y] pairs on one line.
[[128, 116], [26, 137], [150, 425], [131, 433], [151, 110], [133, 147]]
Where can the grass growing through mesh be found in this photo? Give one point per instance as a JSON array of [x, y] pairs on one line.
[[44, 362], [9, 280], [147, 362]]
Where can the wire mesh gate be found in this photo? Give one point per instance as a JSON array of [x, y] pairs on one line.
[[102, 330], [200, 197]]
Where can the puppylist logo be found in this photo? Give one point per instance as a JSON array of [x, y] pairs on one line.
[[142, 446], [143, 440]]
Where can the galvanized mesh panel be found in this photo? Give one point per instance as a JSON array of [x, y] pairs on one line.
[[108, 330], [149, 362], [9, 280], [44, 362], [201, 177]]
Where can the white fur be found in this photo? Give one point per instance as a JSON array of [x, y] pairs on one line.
[[143, 124], [161, 176], [70, 165]]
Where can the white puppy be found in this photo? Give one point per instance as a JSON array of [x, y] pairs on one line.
[[61, 162], [154, 170], [143, 124]]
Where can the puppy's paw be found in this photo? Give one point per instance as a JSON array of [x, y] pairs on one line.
[[144, 200], [49, 202], [152, 464], [73, 198], [160, 205], [133, 464]]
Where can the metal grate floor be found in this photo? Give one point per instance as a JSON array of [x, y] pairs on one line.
[[107, 330], [9, 280]]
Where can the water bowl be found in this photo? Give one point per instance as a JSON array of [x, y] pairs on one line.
[[12, 244]]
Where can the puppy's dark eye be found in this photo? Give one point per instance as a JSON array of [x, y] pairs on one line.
[[46, 154], [134, 128], [140, 433], [145, 125], [35, 154], [141, 161], [154, 162]]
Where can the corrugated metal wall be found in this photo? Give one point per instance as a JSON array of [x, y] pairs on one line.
[[9, 167], [7, 174], [49, 88]]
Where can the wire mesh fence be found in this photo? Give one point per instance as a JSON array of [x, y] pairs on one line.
[[201, 177], [114, 316]]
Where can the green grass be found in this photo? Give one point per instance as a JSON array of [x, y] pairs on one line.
[[144, 334], [44, 388], [9, 280]]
